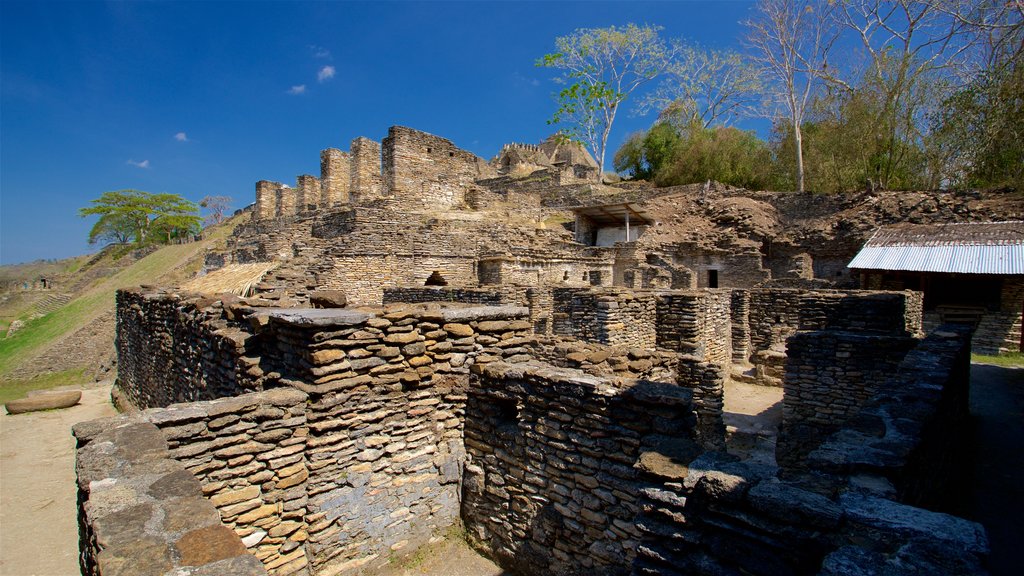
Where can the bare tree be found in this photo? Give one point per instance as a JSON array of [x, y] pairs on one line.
[[217, 206], [602, 67], [705, 87], [792, 41], [918, 53]]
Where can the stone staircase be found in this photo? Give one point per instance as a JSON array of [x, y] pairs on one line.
[[51, 302]]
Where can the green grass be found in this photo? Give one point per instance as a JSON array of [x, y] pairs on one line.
[[25, 343], [1010, 360], [14, 389]]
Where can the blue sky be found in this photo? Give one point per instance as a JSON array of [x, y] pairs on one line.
[[206, 98]]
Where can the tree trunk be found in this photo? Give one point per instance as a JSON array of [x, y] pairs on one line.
[[799, 142]]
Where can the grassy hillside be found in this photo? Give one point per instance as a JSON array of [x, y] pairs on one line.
[[167, 265]]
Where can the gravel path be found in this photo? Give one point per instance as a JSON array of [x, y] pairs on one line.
[[38, 499]]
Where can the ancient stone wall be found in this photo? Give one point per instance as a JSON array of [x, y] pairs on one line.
[[552, 480], [266, 200], [775, 314], [696, 323], [335, 177], [142, 512], [830, 376], [423, 171], [285, 205], [172, 349], [918, 452], [492, 296], [852, 505], [366, 183], [720, 269], [308, 193], [622, 362], [606, 316]]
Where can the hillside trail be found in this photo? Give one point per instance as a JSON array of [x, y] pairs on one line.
[[38, 493]]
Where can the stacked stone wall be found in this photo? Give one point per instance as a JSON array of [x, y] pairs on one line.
[[830, 376], [386, 401], [173, 349], [852, 508], [308, 193], [423, 171], [554, 460], [697, 323], [266, 200], [612, 362], [775, 314], [495, 296], [606, 316], [142, 512], [366, 183], [335, 177]]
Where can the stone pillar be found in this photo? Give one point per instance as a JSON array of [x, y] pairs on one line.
[[266, 200], [285, 201], [335, 177], [308, 192], [366, 176]]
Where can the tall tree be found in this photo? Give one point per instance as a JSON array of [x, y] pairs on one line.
[[601, 67], [705, 86], [137, 211], [792, 41]]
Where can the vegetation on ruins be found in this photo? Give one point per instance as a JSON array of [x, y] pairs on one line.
[[862, 94], [140, 217], [601, 67]]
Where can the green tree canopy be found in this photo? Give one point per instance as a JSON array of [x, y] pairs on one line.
[[601, 68], [134, 214]]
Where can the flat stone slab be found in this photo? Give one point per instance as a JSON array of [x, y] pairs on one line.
[[318, 317], [44, 401]]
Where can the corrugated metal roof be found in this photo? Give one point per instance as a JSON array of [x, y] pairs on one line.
[[615, 214], [969, 248]]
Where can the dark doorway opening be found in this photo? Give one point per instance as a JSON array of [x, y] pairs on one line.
[[436, 279], [712, 278]]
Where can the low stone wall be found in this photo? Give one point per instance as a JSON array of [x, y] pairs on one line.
[[173, 348], [386, 399], [696, 323], [248, 453], [912, 436], [555, 462], [491, 296], [775, 314], [728, 517], [621, 362], [829, 377], [606, 316], [852, 509], [141, 512]]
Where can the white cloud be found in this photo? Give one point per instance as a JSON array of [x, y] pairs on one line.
[[300, 89], [325, 73], [181, 137], [320, 52], [143, 164]]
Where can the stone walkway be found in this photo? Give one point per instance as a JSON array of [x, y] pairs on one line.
[[752, 416], [38, 497], [997, 404]]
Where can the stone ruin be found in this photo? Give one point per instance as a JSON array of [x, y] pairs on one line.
[[562, 403]]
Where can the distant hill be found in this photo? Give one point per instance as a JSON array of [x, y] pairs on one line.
[[67, 331]]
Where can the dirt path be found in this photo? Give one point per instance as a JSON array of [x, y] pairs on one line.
[[38, 509], [997, 405]]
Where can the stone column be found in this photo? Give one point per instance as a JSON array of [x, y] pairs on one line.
[[335, 177]]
